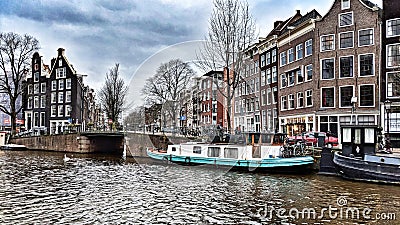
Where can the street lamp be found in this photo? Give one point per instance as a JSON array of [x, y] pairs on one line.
[[388, 145]]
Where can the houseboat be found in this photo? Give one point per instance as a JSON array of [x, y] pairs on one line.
[[359, 159], [263, 154]]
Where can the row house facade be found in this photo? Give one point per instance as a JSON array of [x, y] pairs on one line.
[[246, 107], [55, 96], [296, 75], [346, 71], [391, 70]]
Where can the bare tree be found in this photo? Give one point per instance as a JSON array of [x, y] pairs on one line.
[[231, 31], [136, 117], [166, 86], [112, 95], [15, 54]]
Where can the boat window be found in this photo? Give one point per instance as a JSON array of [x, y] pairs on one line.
[[197, 149], [232, 153], [357, 136], [213, 151], [369, 135], [347, 135], [174, 149]]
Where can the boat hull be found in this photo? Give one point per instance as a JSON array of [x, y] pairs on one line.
[[13, 147], [280, 165], [361, 170]]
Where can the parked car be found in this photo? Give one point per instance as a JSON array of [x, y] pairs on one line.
[[311, 138]]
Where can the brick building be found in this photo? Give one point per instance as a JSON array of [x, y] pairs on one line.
[[347, 59], [391, 70], [296, 74]]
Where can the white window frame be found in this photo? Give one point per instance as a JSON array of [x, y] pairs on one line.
[[344, 6], [36, 77], [373, 64], [334, 97], [298, 100], [274, 53], [359, 95], [291, 99], [269, 96], [36, 102], [30, 102], [387, 28], [68, 83], [387, 55], [352, 19], [334, 43], [274, 100], [334, 71], [373, 37], [68, 93], [61, 82], [302, 75], [36, 88], [340, 39], [68, 110], [53, 85], [42, 121], [53, 110], [387, 86], [60, 97], [290, 52], [306, 96], [306, 45], [274, 74], [354, 71], [306, 72], [340, 96], [43, 87], [282, 103], [299, 48], [60, 110], [280, 58], [43, 101]]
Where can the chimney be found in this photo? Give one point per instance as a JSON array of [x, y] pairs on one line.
[[277, 23], [298, 12], [61, 51]]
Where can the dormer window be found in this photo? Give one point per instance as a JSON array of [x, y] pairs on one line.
[[60, 62], [345, 4]]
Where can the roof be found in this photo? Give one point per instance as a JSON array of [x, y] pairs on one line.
[[313, 14]]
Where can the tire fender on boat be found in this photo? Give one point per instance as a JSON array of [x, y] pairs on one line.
[[165, 159], [187, 159]]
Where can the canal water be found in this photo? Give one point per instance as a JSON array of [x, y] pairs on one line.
[[42, 188]]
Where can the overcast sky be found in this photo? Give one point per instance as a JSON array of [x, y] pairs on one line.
[[135, 33]]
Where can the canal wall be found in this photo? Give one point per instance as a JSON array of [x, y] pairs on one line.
[[76, 143]]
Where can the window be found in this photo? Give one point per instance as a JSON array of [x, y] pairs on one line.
[[68, 96], [60, 73], [291, 78], [60, 62], [345, 4], [328, 97], [346, 40], [309, 72], [393, 55], [393, 84], [269, 78], [291, 55], [43, 87], [274, 75], [36, 77], [60, 110], [291, 101], [300, 77], [43, 101], [36, 118], [53, 85], [283, 58], [365, 37], [30, 102], [60, 97], [328, 70], [262, 60], [328, 42], [68, 110], [213, 151], [268, 56], [30, 89], [367, 65], [263, 78], [68, 83], [61, 85], [274, 55], [346, 93], [263, 98], [346, 19], [36, 102], [283, 102], [299, 51], [36, 89], [54, 97], [367, 96], [300, 100], [42, 119], [275, 95], [309, 101], [53, 111], [269, 96], [346, 66], [393, 27], [283, 80], [329, 123], [308, 47]]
